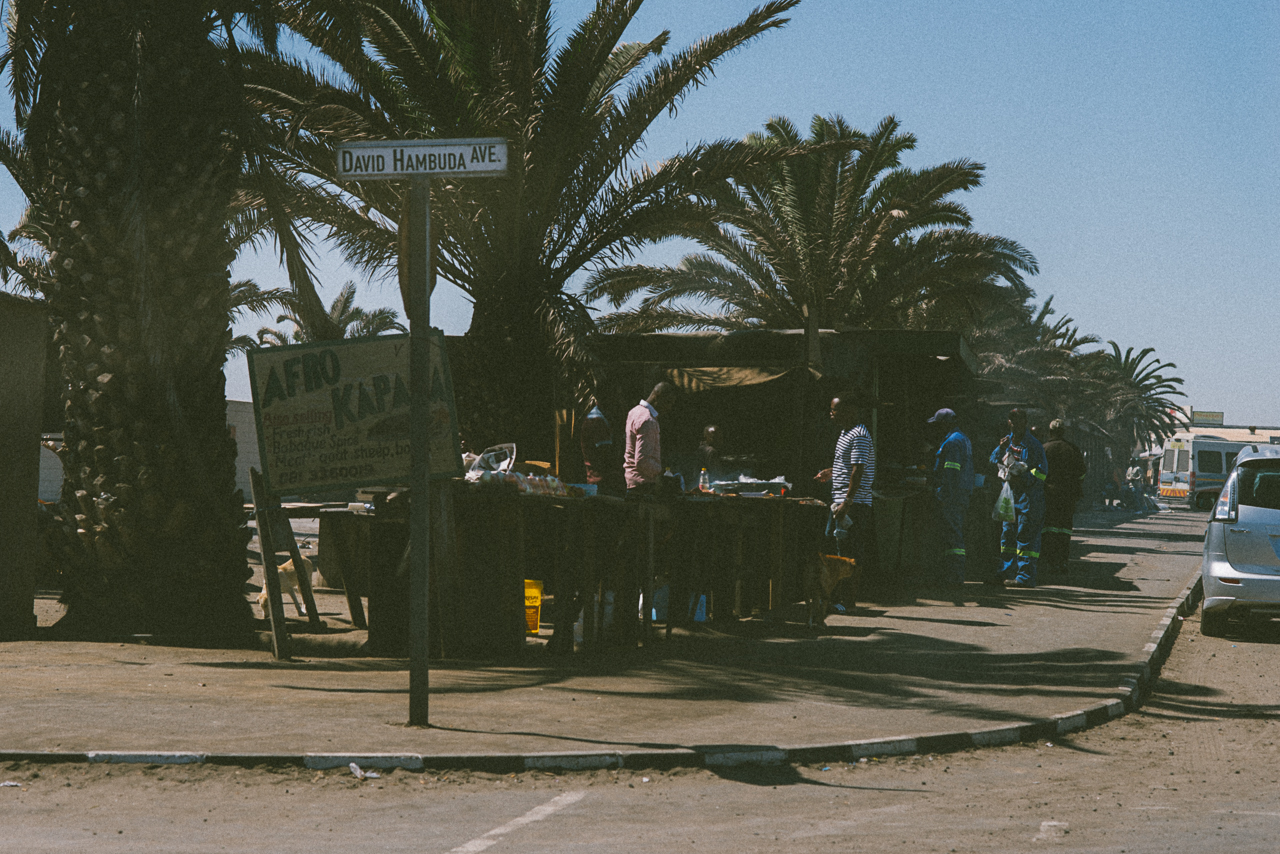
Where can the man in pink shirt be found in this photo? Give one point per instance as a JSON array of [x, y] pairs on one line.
[[642, 454]]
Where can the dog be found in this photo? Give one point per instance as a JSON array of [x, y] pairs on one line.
[[832, 569], [288, 584]]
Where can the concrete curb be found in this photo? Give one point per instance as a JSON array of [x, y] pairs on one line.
[[1129, 696]]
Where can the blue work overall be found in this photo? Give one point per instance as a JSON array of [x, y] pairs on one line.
[[953, 479], [1020, 539]]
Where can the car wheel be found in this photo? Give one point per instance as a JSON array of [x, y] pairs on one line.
[[1213, 624]]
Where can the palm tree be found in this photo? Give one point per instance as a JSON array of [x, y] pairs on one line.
[[1140, 409], [841, 236], [130, 116], [25, 272], [575, 119], [343, 314], [249, 299], [1040, 362]]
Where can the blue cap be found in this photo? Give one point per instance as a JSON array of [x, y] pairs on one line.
[[943, 416]]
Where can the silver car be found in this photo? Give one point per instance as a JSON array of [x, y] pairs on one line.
[[1241, 569]]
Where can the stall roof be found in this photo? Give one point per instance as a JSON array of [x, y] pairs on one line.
[[763, 349]]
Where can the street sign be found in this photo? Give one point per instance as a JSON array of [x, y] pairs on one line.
[[422, 158]]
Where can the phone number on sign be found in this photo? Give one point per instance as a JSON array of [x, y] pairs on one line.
[[338, 472]]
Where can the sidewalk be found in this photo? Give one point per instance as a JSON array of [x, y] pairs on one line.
[[895, 674]]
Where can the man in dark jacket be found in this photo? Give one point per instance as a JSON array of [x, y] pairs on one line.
[[1062, 490]]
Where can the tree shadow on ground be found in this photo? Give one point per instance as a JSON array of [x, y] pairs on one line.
[[1080, 549], [1094, 575], [1163, 536], [1253, 629], [1183, 701], [888, 672], [791, 775]]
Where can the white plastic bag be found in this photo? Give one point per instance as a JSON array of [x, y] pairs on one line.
[[499, 458], [1003, 511]]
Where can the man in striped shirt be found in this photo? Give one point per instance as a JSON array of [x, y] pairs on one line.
[[851, 474]]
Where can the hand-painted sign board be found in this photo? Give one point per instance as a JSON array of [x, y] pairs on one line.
[[335, 414]]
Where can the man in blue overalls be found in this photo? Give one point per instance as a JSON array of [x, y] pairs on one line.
[[953, 484], [1022, 463]]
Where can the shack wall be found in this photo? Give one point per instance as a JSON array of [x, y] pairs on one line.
[[24, 330]]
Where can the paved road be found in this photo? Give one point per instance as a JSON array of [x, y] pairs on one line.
[[1194, 771]]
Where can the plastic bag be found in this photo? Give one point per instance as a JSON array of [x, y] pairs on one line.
[[1003, 511], [499, 458]]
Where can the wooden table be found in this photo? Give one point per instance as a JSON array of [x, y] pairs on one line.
[[745, 555]]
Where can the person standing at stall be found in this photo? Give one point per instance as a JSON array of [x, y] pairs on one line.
[[708, 457], [1022, 464], [953, 485], [642, 452], [851, 474], [1062, 490]]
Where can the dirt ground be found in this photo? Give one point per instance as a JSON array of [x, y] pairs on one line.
[[1194, 770]]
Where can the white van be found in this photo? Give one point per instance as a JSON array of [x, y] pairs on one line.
[[1195, 467]]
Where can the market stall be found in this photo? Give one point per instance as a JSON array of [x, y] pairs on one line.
[[595, 556], [768, 391]]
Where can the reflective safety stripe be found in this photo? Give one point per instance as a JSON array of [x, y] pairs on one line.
[[1039, 475], [955, 466], [1022, 553], [955, 552], [1008, 552]]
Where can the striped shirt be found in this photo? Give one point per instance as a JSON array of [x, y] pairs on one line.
[[853, 448]]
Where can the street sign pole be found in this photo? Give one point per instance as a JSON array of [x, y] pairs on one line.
[[420, 160], [419, 311]]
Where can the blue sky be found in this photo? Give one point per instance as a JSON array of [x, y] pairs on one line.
[[1129, 146]]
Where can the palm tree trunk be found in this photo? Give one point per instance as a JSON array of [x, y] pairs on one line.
[[142, 171], [506, 377]]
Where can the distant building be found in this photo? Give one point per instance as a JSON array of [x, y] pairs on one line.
[[1207, 423], [245, 431]]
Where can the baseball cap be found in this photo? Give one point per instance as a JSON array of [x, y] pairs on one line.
[[943, 415]]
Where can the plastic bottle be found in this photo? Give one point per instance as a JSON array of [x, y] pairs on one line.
[[704, 482]]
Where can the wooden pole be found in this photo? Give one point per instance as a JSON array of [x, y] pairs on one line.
[[304, 577], [270, 577], [419, 312]]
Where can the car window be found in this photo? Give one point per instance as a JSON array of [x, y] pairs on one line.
[[1209, 462], [1184, 460], [1169, 457], [1259, 484]]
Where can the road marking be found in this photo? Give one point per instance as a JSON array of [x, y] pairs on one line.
[[1246, 812], [536, 814]]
